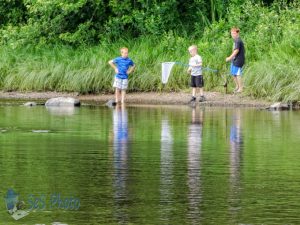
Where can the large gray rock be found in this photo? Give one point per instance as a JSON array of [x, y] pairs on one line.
[[62, 101]]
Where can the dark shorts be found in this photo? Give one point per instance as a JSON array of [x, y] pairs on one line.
[[197, 81]]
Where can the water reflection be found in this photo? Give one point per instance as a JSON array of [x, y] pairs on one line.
[[120, 152], [166, 170], [236, 149], [61, 110], [194, 169], [249, 177]]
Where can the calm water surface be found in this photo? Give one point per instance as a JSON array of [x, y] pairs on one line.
[[151, 165]]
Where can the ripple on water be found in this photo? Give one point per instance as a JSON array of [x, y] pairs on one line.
[[40, 131]]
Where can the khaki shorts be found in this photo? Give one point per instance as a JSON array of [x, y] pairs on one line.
[[121, 84]]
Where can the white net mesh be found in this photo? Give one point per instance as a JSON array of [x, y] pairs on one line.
[[166, 68]]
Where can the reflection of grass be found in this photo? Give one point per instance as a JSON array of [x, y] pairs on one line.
[[15, 101], [86, 70]]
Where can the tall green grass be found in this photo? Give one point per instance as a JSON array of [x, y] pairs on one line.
[[86, 70], [277, 75]]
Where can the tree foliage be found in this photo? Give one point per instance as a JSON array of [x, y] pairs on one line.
[[78, 22]]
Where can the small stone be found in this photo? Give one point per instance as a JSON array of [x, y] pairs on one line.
[[111, 103], [30, 104]]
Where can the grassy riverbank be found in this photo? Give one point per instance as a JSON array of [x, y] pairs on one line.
[[271, 35]]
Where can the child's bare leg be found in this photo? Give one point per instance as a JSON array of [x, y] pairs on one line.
[[202, 98], [201, 91], [240, 83], [117, 95], [123, 107], [194, 92], [236, 83], [123, 92]]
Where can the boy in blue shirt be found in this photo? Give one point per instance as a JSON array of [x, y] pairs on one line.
[[123, 66]]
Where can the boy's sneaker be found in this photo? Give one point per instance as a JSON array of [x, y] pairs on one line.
[[202, 98], [193, 99]]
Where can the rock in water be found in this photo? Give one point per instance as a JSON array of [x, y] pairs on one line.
[[30, 104], [111, 103], [62, 101], [278, 106]]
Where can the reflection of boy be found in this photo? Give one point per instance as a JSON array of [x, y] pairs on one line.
[[195, 131], [120, 147], [235, 133], [237, 59], [193, 166], [120, 118], [235, 136], [123, 66], [195, 69], [122, 125]]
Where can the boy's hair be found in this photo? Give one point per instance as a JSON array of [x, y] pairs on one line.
[[123, 48], [193, 47], [235, 29]]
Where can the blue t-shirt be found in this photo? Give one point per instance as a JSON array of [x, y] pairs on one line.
[[123, 65]]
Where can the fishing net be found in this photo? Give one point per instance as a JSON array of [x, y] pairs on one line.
[[166, 68]]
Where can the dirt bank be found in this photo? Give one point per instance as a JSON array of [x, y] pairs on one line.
[[156, 98]]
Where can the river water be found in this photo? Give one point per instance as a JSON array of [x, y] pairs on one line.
[[150, 165]]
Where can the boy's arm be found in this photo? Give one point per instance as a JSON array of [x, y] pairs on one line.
[[189, 70], [233, 54], [111, 63], [197, 64], [131, 69]]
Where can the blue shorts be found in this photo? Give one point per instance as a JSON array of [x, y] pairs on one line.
[[235, 71]]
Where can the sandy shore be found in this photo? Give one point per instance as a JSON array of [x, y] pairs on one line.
[[149, 98]]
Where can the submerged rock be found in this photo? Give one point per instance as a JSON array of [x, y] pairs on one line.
[[111, 103], [62, 101], [30, 104], [278, 106]]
